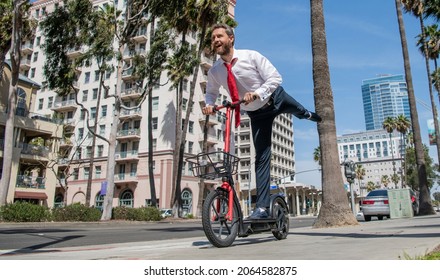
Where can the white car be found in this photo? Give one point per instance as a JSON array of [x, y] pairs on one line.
[[166, 213]]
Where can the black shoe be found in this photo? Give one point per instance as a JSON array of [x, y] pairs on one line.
[[313, 117], [259, 213]]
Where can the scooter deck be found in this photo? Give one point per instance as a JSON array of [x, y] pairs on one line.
[[259, 221]]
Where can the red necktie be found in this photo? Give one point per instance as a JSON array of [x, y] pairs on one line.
[[233, 91]]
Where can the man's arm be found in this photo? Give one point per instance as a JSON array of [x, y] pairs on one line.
[[268, 72]]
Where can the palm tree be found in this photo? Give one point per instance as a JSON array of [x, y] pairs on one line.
[[425, 197], [389, 125], [317, 155], [335, 210], [416, 7], [360, 173], [432, 9], [385, 180], [402, 125], [370, 186]]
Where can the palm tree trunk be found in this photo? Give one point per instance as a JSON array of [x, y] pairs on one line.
[[335, 210], [425, 199]]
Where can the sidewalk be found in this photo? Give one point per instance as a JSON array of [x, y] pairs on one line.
[[376, 240]]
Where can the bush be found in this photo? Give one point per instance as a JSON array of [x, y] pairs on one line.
[[24, 212], [76, 213], [136, 214]]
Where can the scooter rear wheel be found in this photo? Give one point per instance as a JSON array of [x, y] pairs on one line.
[[281, 214], [220, 231]]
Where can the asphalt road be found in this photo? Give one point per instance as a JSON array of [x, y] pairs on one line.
[[34, 236]]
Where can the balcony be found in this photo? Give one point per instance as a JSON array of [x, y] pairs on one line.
[[141, 36], [211, 139], [30, 182], [124, 178], [127, 156], [212, 120], [66, 105], [130, 114], [66, 143], [127, 74], [206, 62], [129, 134], [25, 63], [27, 48], [69, 124], [131, 93], [75, 52], [34, 150]]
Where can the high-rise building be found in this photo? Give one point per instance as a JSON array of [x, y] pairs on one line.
[[384, 96], [132, 184]]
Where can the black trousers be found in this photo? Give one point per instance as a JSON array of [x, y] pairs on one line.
[[261, 125]]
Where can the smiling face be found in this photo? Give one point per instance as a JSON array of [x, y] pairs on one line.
[[222, 43]]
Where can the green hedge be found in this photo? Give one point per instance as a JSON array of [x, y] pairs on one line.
[[76, 213], [137, 214], [28, 212], [24, 212]]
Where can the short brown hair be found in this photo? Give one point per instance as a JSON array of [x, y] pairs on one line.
[[227, 28]]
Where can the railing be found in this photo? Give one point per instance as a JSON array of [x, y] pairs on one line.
[[25, 113], [129, 132], [126, 154], [59, 104], [30, 149], [31, 182], [125, 176], [130, 112]]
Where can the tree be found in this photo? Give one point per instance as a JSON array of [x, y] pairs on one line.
[[370, 186], [335, 210], [416, 7], [402, 125], [20, 8], [412, 176], [360, 173], [424, 196], [385, 180], [317, 155], [389, 125]]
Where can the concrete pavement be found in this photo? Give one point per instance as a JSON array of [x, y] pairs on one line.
[[376, 240]]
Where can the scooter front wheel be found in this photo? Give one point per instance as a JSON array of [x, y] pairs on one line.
[[219, 230], [281, 214]]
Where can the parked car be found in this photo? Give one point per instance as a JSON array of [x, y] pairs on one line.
[[376, 204], [166, 213]]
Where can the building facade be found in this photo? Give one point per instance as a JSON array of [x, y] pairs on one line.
[[79, 155], [376, 153], [384, 96]]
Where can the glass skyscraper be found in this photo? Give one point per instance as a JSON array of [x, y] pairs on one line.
[[384, 96]]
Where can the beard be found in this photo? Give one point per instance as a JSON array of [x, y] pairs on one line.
[[223, 49]]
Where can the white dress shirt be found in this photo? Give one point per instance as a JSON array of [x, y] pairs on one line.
[[253, 73]]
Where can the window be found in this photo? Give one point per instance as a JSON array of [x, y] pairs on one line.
[[40, 104], [82, 115], [98, 172], [93, 112], [154, 125], [50, 102], [80, 133], [38, 41], [100, 150], [96, 75], [89, 151], [104, 111], [35, 56], [75, 173], [99, 201], [154, 144], [85, 95], [155, 103], [32, 73], [190, 147], [102, 129], [86, 172], [126, 199], [87, 77], [191, 127], [95, 93], [107, 75]]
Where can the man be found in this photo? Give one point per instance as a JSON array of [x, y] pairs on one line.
[[257, 82]]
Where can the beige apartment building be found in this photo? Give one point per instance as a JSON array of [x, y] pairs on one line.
[[132, 187]]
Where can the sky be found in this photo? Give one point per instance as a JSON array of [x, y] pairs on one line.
[[363, 41]]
